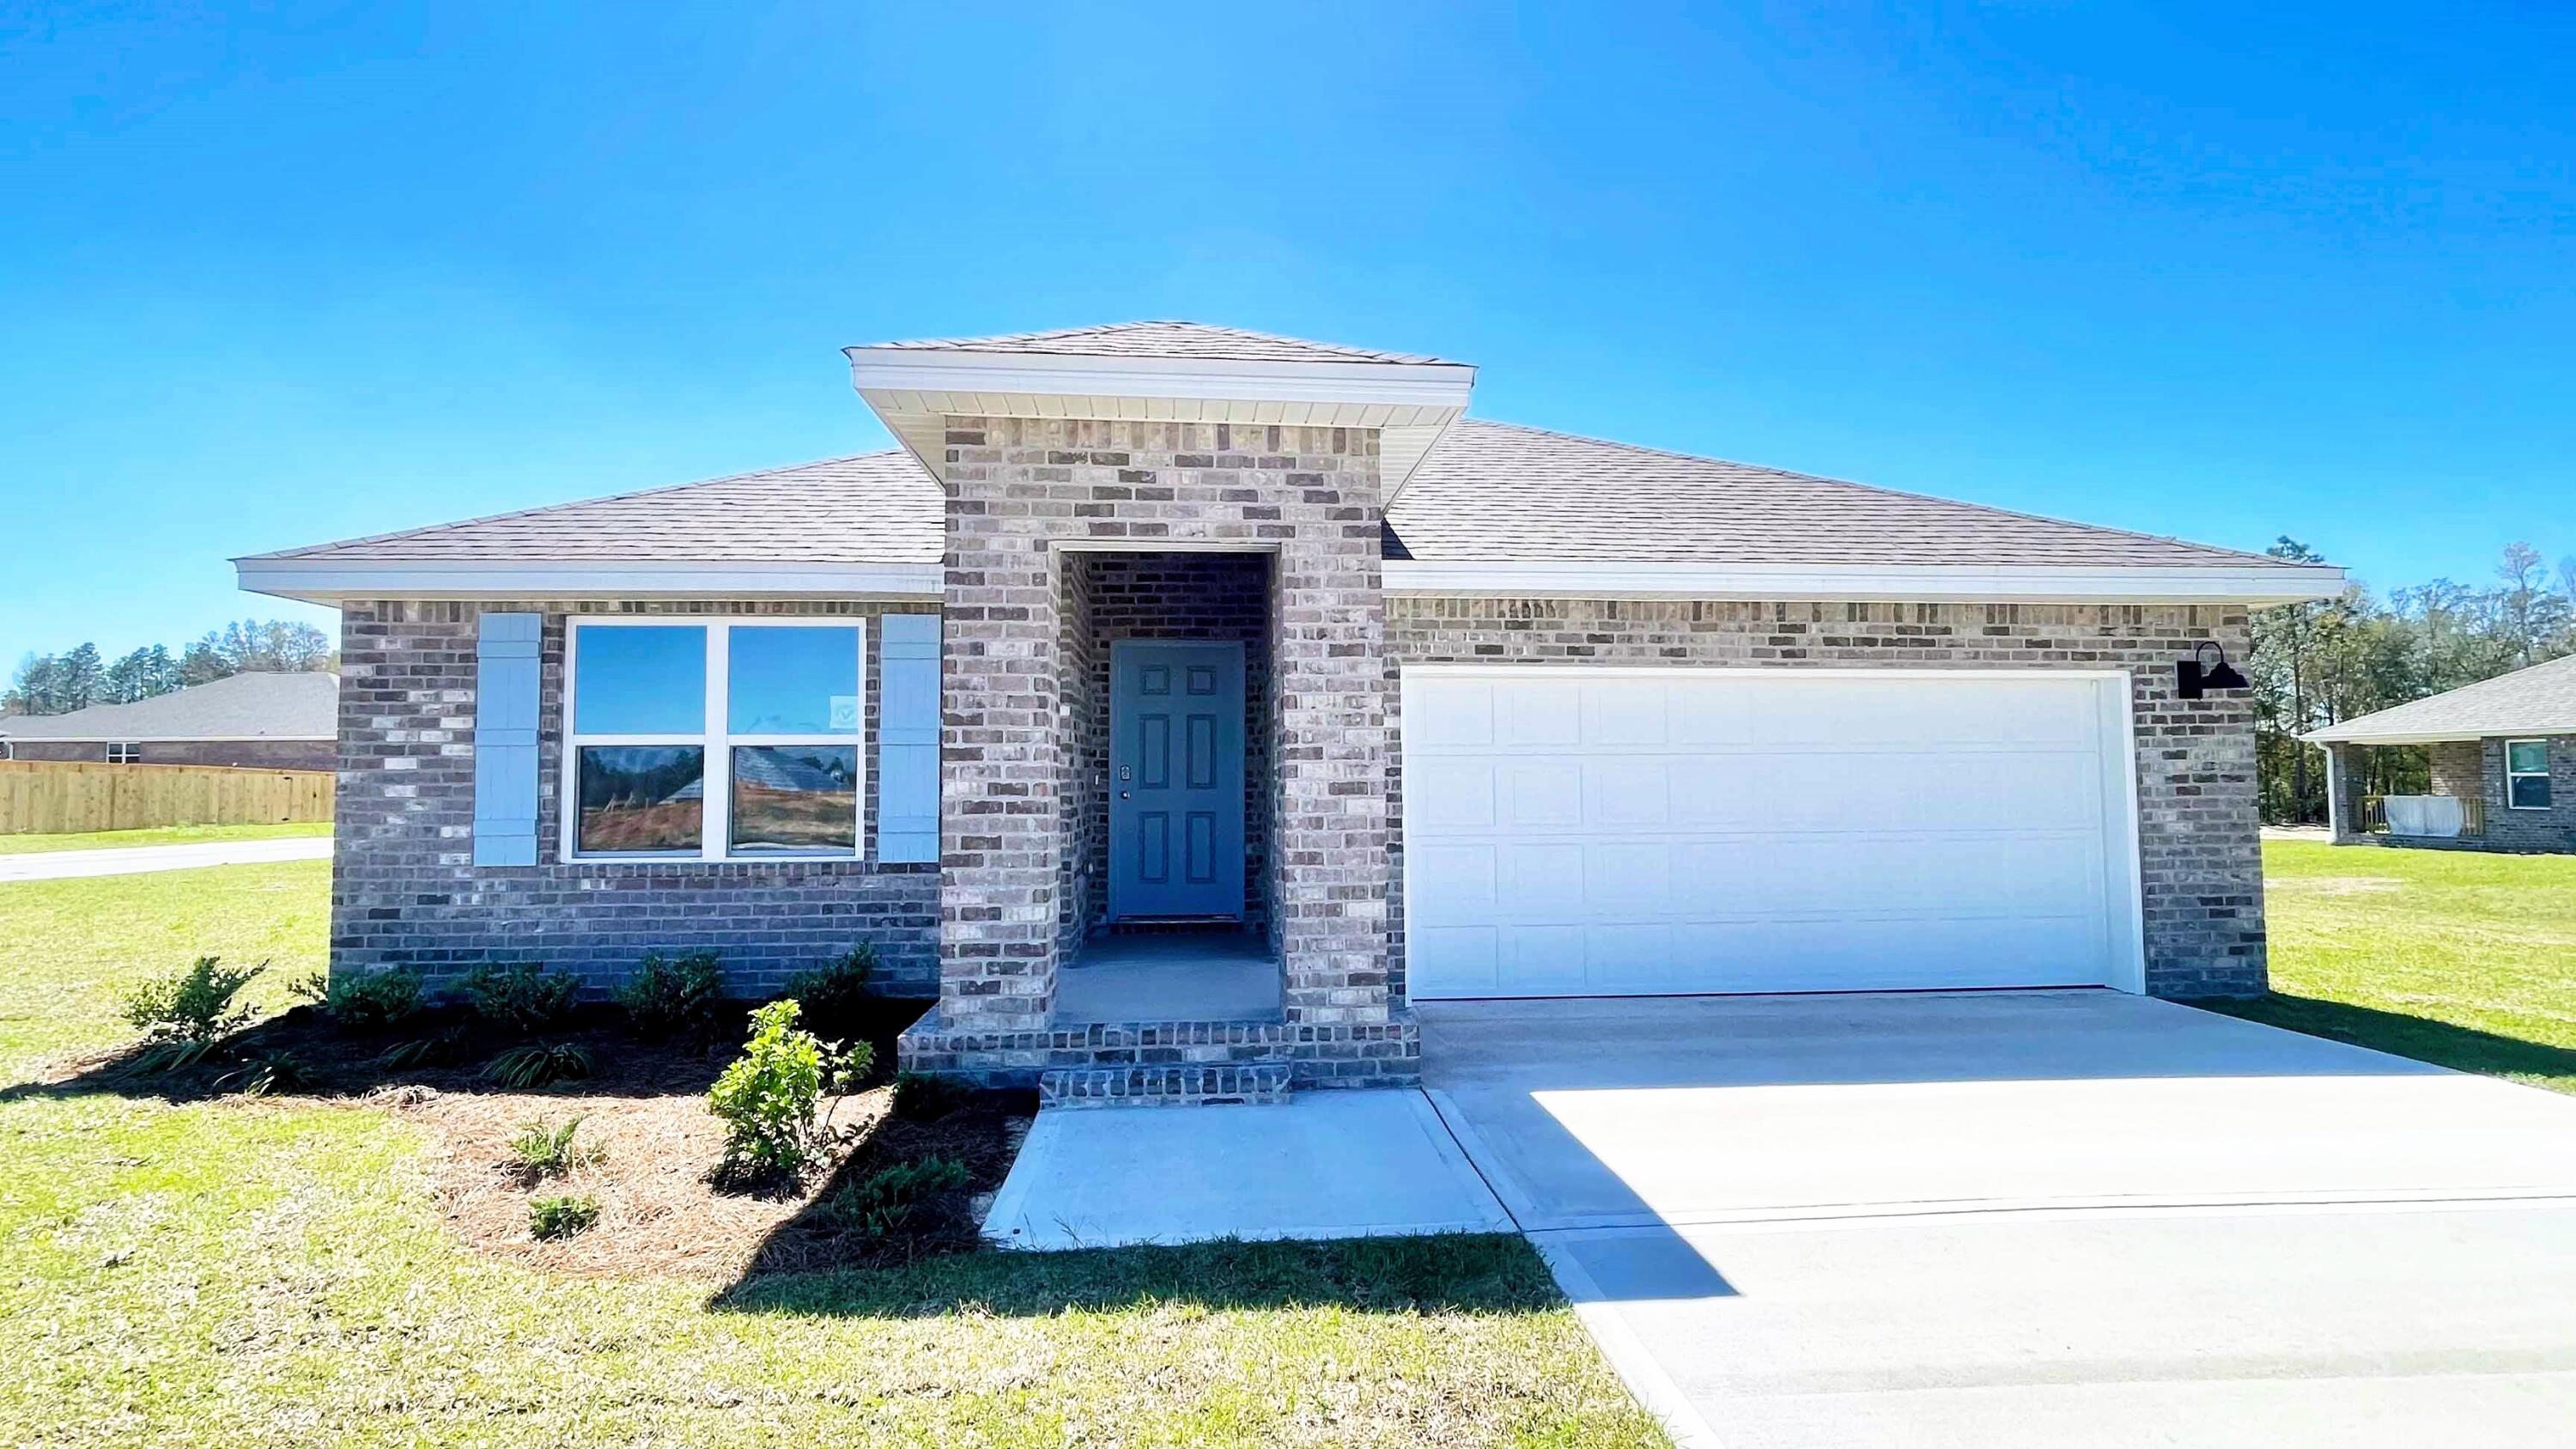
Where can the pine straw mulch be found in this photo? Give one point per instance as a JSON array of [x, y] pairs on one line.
[[644, 1110]]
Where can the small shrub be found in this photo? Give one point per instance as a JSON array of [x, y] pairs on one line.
[[185, 1015], [918, 1098], [539, 1064], [542, 1151], [668, 996], [366, 1001], [438, 1049], [264, 1072], [835, 996], [523, 998], [550, 1218], [876, 1205], [768, 1094]]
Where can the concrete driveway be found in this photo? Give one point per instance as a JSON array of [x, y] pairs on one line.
[[2042, 1218]]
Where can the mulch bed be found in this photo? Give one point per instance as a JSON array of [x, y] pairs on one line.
[[644, 1107]]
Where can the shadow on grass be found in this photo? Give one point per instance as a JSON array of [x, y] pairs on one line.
[[333, 1063], [2422, 1038], [1477, 1273]]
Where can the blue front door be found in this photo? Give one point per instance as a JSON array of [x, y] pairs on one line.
[[1175, 779]]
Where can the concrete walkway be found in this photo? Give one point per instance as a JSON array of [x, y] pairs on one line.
[[133, 860], [2007, 1219], [1322, 1165]]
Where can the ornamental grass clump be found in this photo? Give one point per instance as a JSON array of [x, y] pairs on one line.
[[767, 1097]]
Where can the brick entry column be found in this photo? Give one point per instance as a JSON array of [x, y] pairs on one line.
[[999, 752]]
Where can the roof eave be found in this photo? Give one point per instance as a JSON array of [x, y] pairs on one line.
[[332, 581], [2258, 586], [2339, 735]]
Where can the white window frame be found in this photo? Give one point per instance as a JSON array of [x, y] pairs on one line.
[[131, 749], [715, 823], [2542, 774]]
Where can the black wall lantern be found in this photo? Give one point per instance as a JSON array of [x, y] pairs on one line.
[[2192, 678]]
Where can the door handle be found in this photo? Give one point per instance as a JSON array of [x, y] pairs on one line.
[[1126, 795]]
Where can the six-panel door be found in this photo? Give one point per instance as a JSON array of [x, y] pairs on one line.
[[1175, 779]]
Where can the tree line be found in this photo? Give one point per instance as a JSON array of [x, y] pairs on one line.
[[80, 676], [2321, 663]]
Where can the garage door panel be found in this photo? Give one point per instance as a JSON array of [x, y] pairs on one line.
[[1451, 795], [1704, 830]]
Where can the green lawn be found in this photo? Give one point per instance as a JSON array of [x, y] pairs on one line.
[[163, 835], [279, 1273], [2454, 957]]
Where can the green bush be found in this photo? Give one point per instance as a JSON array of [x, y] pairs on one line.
[[185, 1016], [835, 996], [368, 1001], [561, 1217], [925, 1099], [879, 1203], [767, 1096], [523, 998], [668, 996], [543, 1151], [539, 1064]]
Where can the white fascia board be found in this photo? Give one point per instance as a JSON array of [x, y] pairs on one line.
[[2257, 585], [1421, 384], [330, 580], [2335, 734]]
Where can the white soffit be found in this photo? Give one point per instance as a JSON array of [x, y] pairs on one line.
[[915, 390], [2255, 585]]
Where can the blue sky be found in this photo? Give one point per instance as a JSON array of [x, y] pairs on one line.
[[305, 272]]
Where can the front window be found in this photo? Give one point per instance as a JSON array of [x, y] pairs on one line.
[[721, 739], [2526, 774], [124, 752]]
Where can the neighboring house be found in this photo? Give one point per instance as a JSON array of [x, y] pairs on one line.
[[2502, 759], [269, 721], [1176, 693]]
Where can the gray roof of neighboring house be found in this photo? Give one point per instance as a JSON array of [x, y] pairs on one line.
[[1487, 492], [268, 706], [871, 508], [2540, 700], [1494, 491], [1194, 340]]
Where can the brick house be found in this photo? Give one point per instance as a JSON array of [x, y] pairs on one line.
[[1182, 694], [2499, 755], [257, 720]]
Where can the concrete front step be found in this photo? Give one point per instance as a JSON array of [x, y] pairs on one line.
[[1232, 1084]]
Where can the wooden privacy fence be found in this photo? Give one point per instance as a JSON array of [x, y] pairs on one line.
[[50, 796]]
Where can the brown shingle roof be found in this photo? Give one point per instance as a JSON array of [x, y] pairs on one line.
[[1159, 339], [2539, 700], [1496, 492], [872, 508]]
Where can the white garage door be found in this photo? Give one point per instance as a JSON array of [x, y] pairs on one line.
[[1598, 832]]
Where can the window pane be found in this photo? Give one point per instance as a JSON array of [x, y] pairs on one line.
[[795, 798], [641, 797], [795, 682], [2528, 792], [2527, 757], [645, 681]]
